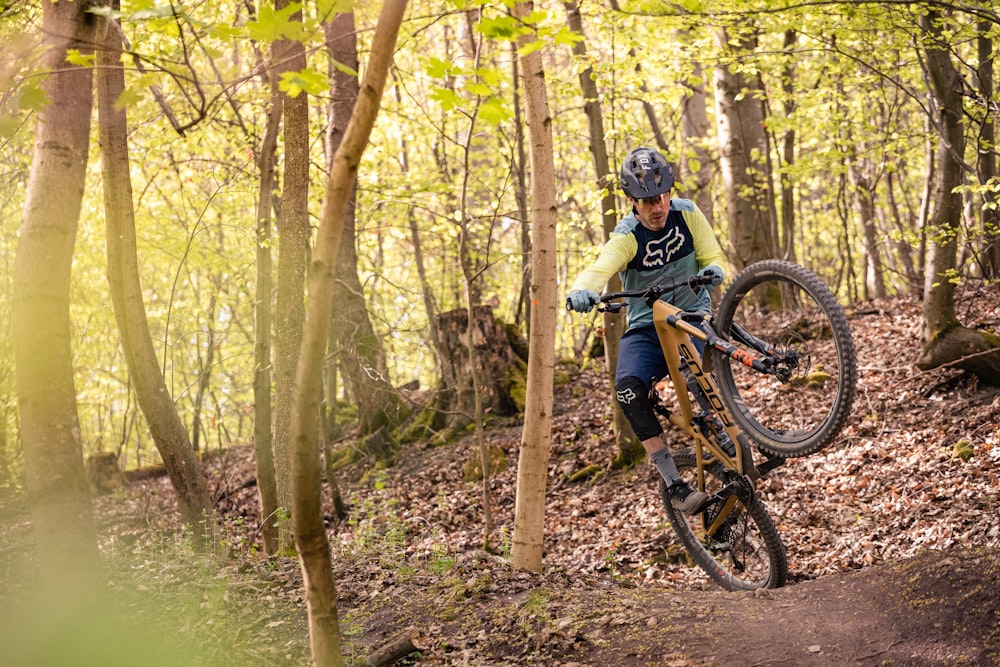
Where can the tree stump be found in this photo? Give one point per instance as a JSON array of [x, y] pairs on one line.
[[104, 474], [500, 371]]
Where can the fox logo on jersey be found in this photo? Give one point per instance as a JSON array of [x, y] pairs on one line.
[[659, 251]]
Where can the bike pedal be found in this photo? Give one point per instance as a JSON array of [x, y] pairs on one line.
[[770, 464]]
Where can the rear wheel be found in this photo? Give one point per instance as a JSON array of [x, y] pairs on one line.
[[804, 402], [745, 551]]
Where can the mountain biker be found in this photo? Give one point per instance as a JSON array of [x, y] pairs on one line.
[[659, 240]]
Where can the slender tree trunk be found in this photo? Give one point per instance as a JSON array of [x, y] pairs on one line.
[[267, 489], [55, 481], [206, 364], [165, 425], [293, 246], [536, 439], [630, 450], [788, 149], [359, 348], [865, 184], [987, 157], [307, 512], [904, 227], [523, 319]]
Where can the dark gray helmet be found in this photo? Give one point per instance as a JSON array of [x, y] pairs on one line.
[[646, 173]]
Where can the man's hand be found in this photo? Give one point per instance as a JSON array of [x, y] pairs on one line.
[[582, 300], [713, 272]]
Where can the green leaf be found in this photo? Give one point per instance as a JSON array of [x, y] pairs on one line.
[[478, 88], [536, 17], [31, 97], [341, 67], [438, 68], [327, 9], [494, 111], [446, 98], [490, 75], [531, 47], [304, 81], [134, 91], [74, 57], [566, 37], [8, 126], [272, 26], [501, 27]]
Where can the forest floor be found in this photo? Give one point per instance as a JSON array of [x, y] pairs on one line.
[[893, 544]]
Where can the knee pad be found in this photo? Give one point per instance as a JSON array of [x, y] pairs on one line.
[[633, 397]]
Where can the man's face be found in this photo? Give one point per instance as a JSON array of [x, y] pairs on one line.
[[652, 211]]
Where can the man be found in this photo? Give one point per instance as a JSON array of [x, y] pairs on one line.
[[661, 239]]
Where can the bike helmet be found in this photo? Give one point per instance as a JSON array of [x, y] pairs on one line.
[[646, 173]]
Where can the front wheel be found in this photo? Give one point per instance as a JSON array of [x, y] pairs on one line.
[[783, 311], [734, 542]]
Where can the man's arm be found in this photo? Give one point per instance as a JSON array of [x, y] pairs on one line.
[[615, 256]]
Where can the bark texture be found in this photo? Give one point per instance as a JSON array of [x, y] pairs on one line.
[[307, 513], [357, 346], [55, 480], [166, 428], [536, 439], [946, 342]]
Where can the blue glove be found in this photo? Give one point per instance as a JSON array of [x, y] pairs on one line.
[[582, 300], [715, 273]]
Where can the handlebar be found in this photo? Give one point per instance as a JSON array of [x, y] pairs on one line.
[[651, 293]]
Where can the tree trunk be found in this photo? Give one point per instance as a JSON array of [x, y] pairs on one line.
[[55, 479], [865, 184], [267, 489], [945, 341], [696, 163], [536, 439], [987, 157], [307, 512], [787, 186], [630, 450], [743, 155], [359, 349], [293, 246], [165, 425]]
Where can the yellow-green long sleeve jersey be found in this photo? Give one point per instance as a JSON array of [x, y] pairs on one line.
[[643, 257]]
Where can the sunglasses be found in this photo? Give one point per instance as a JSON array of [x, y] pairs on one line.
[[652, 201]]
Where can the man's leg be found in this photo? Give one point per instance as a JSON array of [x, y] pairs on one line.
[[633, 396]]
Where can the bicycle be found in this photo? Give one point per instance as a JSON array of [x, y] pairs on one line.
[[785, 390]]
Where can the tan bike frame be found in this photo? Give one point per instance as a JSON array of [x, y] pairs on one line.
[[676, 336]]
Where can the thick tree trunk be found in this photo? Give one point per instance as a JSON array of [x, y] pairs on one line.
[[55, 480], [165, 425], [536, 439], [945, 341], [743, 156], [307, 512], [359, 349]]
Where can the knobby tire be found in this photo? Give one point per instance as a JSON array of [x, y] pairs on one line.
[[790, 308]]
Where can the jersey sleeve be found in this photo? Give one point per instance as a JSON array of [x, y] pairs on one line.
[[706, 248], [614, 257]]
